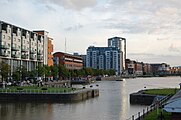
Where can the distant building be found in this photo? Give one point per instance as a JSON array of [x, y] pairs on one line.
[[105, 58], [83, 58], [160, 69], [71, 62], [175, 70], [147, 69], [130, 67], [120, 43], [138, 68]]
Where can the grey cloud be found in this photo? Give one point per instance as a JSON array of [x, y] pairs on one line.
[[173, 60], [150, 16], [74, 28], [50, 8], [73, 4]]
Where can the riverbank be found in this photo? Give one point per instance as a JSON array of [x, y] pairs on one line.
[[148, 96]]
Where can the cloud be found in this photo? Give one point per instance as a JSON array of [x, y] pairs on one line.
[[73, 4], [173, 48], [74, 28], [173, 60], [148, 16]]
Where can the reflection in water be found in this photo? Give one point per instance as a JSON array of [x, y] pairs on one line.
[[124, 101], [25, 111], [112, 104]]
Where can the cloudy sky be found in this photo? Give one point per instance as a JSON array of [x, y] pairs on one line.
[[152, 27]]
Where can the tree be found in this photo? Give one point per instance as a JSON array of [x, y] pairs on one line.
[[54, 71], [63, 72], [4, 71], [47, 71], [40, 71]]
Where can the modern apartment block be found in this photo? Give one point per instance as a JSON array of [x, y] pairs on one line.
[[71, 62], [120, 43], [19, 46], [104, 58]]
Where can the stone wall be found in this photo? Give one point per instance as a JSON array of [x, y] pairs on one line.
[[49, 97]]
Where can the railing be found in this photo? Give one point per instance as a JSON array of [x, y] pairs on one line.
[[40, 91], [140, 115]]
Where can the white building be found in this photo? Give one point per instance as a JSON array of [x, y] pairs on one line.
[[19, 46], [104, 58]]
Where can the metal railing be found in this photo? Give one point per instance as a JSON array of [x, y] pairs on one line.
[[140, 115]]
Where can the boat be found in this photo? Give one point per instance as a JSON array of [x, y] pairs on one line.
[[121, 79]]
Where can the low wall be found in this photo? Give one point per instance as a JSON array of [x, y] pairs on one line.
[[49, 97], [142, 99]]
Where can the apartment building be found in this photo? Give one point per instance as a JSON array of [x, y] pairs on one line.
[[120, 43], [19, 46], [104, 58], [71, 62]]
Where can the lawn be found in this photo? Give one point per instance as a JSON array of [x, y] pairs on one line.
[[166, 91], [35, 89], [156, 115]]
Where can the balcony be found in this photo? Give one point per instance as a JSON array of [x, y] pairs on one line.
[[15, 55], [14, 48], [24, 56], [4, 47], [40, 53], [40, 57], [32, 57], [32, 52], [4, 54], [24, 50]]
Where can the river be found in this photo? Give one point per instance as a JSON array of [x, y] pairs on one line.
[[112, 104]]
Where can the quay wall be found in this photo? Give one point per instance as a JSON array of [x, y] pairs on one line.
[[142, 99], [49, 97]]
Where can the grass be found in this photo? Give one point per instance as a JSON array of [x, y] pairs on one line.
[[35, 89], [165, 91], [155, 115]]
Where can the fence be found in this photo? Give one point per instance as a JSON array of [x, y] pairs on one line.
[[140, 115]]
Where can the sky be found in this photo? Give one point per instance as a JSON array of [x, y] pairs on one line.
[[152, 28]]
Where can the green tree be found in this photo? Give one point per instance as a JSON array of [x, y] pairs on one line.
[[47, 71], [4, 71], [54, 71], [40, 70], [63, 72], [16, 75]]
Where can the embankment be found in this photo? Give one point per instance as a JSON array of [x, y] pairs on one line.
[[75, 96]]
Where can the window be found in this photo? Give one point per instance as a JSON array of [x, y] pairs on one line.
[[4, 36], [9, 38], [18, 40]]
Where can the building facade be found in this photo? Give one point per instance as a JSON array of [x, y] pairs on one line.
[[104, 58], [21, 47], [160, 69], [71, 62], [50, 51], [120, 43]]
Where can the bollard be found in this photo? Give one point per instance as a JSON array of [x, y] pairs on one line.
[[143, 113], [139, 116], [133, 117]]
